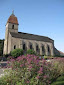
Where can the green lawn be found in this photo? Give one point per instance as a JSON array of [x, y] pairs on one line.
[[59, 81]]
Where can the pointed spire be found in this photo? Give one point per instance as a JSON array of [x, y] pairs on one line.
[[13, 13]]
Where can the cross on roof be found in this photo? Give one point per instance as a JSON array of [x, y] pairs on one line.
[[13, 12]]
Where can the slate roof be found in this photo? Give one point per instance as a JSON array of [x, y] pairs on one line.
[[61, 52], [58, 52], [31, 37]]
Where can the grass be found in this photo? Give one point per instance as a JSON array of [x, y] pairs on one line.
[[59, 81]]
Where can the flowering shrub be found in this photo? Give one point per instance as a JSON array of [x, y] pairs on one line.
[[59, 64], [29, 70]]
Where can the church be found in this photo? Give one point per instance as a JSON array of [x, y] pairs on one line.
[[42, 45]]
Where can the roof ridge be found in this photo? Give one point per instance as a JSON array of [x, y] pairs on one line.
[[61, 52], [35, 35]]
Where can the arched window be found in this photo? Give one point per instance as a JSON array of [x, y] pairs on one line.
[[14, 46], [49, 50], [43, 49], [24, 46], [36, 47], [12, 26], [30, 46]]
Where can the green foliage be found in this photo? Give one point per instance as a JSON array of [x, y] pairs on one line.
[[16, 52], [61, 78], [59, 81], [1, 47], [3, 81], [18, 83], [7, 55], [45, 57], [10, 78], [48, 57], [58, 64], [30, 51]]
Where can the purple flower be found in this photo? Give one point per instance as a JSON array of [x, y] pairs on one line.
[[38, 77], [21, 65], [40, 71], [12, 60], [30, 67], [45, 76], [28, 81]]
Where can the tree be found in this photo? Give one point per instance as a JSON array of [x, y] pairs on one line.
[[1, 46]]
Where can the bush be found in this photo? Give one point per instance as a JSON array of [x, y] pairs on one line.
[[3, 81], [61, 78], [1, 47], [58, 83], [16, 52], [30, 51], [58, 64], [30, 70], [6, 55]]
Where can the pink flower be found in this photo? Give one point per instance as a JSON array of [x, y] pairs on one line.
[[38, 77], [49, 82], [45, 76], [30, 67], [40, 71], [26, 64], [41, 68], [8, 62], [19, 58], [9, 67], [28, 81], [21, 65], [12, 60]]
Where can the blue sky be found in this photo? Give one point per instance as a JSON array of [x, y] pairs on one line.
[[41, 17]]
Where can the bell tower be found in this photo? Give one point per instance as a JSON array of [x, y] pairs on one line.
[[12, 23], [11, 26]]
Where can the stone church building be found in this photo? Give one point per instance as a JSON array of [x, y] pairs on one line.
[[13, 39]]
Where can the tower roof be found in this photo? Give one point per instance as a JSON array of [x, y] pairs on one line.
[[12, 19]]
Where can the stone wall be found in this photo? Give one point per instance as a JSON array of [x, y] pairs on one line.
[[8, 41], [20, 42]]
